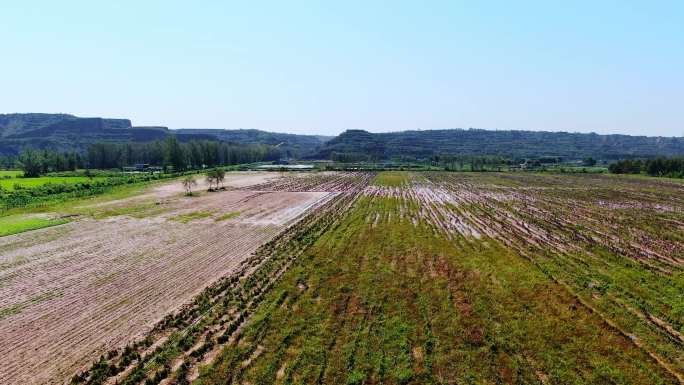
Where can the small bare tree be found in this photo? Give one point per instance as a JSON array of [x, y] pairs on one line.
[[188, 183], [210, 180], [220, 176]]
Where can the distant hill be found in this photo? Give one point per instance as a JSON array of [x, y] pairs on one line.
[[65, 132], [294, 145], [68, 132], [511, 144]]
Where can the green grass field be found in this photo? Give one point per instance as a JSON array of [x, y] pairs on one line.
[[79, 205], [391, 178], [8, 184], [10, 173], [14, 224]]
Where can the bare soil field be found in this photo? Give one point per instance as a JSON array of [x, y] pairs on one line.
[[73, 292]]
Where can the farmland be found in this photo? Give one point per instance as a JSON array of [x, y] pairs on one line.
[[391, 277], [69, 293], [479, 278], [11, 183]]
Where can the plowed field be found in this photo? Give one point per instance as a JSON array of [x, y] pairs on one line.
[[72, 292]]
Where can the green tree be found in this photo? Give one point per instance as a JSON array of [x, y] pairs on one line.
[[31, 162], [589, 161], [216, 176], [175, 156]]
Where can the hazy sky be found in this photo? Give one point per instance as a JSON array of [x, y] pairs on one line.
[[325, 66]]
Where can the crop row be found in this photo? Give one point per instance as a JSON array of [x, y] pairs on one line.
[[614, 243], [391, 296], [321, 181], [171, 352]]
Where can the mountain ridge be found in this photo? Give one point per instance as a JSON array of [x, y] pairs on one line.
[[67, 132], [423, 144]]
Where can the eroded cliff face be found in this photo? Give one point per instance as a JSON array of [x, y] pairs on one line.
[[68, 132]]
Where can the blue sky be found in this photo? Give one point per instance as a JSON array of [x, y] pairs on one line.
[[322, 67]]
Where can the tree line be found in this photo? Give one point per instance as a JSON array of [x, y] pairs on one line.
[[180, 156], [37, 162], [167, 153], [467, 162], [665, 167]]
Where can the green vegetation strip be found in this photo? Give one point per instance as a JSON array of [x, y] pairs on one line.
[[44, 196], [226, 216], [6, 174], [18, 308], [13, 183], [14, 224], [185, 218], [391, 179]]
